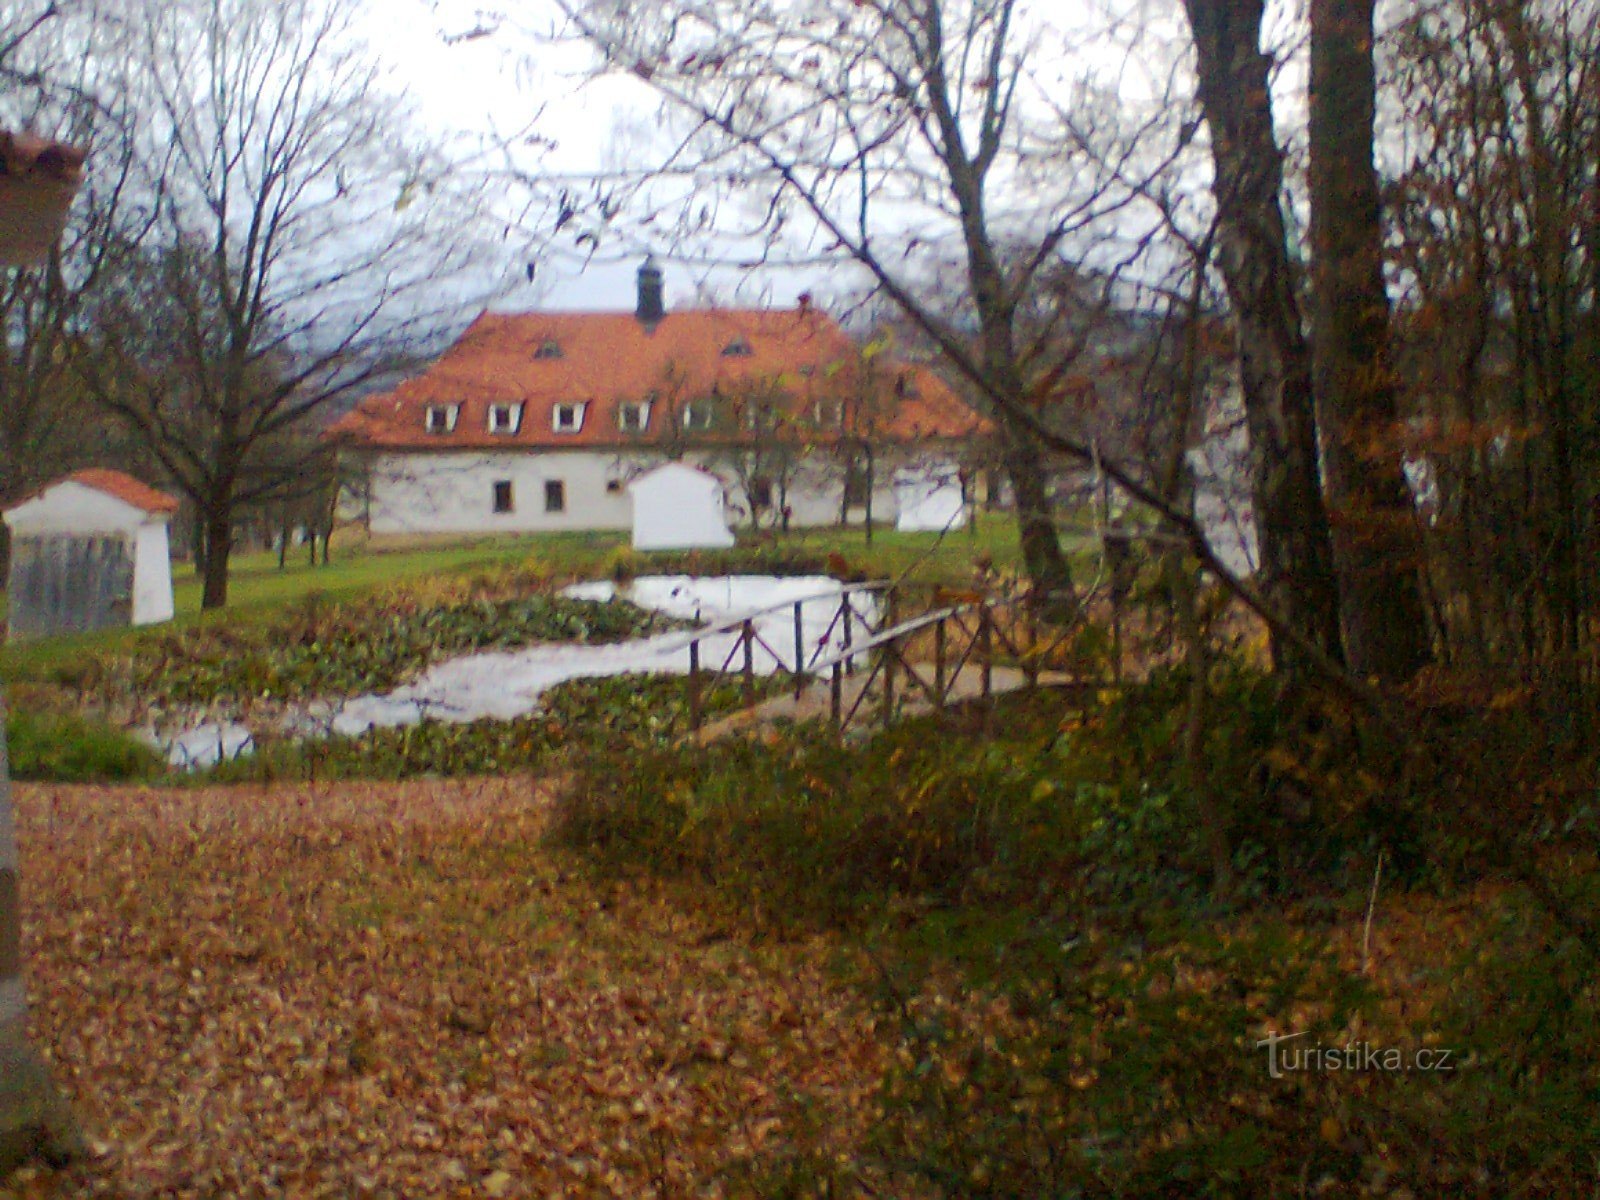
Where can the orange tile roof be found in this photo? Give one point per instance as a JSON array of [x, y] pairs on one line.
[[607, 359], [127, 489]]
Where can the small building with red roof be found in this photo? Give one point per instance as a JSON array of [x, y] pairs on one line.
[[539, 420], [89, 551]]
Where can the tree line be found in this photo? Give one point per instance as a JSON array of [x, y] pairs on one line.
[[1403, 248], [262, 237]]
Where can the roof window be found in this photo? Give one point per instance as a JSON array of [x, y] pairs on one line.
[[568, 418], [738, 348], [440, 418], [549, 348], [505, 418], [633, 418]]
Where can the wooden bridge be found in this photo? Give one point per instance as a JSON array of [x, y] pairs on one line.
[[869, 662]]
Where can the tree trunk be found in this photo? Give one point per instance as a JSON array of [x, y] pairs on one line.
[[1036, 528], [34, 1120], [219, 544], [1375, 539], [1274, 361], [872, 483]]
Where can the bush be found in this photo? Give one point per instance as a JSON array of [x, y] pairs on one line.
[[318, 649], [589, 715], [72, 749]]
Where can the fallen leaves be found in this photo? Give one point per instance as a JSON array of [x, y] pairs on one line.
[[393, 990]]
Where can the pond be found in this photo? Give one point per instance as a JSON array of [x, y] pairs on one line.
[[505, 684]]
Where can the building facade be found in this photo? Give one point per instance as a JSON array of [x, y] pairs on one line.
[[539, 421]]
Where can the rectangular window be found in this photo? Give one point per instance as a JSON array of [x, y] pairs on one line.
[[502, 496], [567, 418], [699, 414], [440, 418], [555, 495], [504, 418], [633, 418], [829, 413]]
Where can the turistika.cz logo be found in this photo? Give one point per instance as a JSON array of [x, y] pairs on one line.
[[1286, 1055]]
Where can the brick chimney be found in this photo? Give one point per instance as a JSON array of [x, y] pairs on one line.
[[651, 309]]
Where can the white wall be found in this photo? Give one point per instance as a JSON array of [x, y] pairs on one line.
[[678, 508], [71, 507], [152, 575], [454, 492], [442, 492], [74, 509]]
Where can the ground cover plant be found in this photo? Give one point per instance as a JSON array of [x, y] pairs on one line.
[[582, 717], [71, 749], [376, 617], [1076, 1011]]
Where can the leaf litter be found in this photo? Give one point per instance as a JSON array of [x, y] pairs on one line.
[[393, 989]]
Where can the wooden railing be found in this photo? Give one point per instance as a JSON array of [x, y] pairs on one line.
[[964, 634], [849, 620], [867, 640]]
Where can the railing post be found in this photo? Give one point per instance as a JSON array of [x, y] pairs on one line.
[[694, 687], [799, 651], [888, 682], [1030, 656], [938, 662], [849, 659], [986, 650], [748, 634]]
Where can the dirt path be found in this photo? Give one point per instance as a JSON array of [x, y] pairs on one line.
[[393, 990]]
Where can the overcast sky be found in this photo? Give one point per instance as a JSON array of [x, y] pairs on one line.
[[492, 87]]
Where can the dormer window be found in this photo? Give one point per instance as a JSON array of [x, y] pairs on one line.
[[549, 348], [568, 418], [440, 418], [738, 348], [760, 418], [505, 418], [906, 387], [633, 418], [699, 414], [828, 413]]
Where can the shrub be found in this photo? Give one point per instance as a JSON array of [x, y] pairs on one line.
[[73, 749], [588, 715]]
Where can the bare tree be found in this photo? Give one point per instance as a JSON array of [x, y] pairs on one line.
[[1376, 547], [43, 411], [1495, 111], [299, 245], [902, 132], [1274, 359]]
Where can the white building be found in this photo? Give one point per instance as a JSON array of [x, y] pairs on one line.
[[539, 421], [89, 552], [676, 507]]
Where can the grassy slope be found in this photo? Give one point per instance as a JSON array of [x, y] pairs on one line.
[[1073, 1013], [258, 589]]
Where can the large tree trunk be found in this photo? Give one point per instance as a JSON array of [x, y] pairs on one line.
[[1274, 361], [1047, 566], [219, 544], [1375, 540], [34, 1121]]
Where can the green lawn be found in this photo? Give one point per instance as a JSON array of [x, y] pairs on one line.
[[257, 588]]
